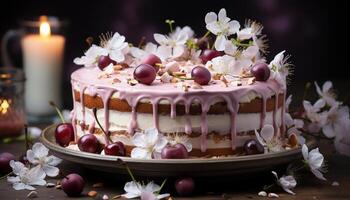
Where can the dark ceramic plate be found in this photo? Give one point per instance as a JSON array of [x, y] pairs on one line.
[[173, 167]]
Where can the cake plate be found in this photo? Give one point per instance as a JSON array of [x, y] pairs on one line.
[[200, 167]]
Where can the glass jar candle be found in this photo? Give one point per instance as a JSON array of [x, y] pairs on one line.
[[12, 116]]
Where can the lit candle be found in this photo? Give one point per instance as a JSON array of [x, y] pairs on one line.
[[11, 122], [43, 56]]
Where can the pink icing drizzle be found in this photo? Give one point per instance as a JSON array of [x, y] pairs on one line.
[[133, 95]]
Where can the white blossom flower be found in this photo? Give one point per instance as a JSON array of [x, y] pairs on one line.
[[149, 48], [286, 182], [266, 138], [222, 65], [145, 192], [116, 48], [337, 121], [186, 30], [342, 141], [90, 56], [148, 144], [38, 155], [180, 139], [172, 45], [222, 26], [280, 68], [314, 159], [318, 119], [326, 93], [251, 30], [25, 178]]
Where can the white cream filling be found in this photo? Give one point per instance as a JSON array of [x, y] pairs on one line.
[[219, 123], [196, 142]]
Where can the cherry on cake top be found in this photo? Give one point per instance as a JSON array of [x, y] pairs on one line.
[[228, 53]]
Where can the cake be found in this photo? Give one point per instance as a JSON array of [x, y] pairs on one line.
[[210, 117]]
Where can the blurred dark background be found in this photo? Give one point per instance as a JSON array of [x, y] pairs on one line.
[[313, 32]]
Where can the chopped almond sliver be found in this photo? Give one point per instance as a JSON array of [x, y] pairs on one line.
[[132, 82], [92, 193], [224, 81], [251, 80]]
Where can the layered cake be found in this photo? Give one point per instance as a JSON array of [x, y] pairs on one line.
[[210, 94]]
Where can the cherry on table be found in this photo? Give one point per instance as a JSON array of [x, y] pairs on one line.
[[73, 185], [177, 151], [201, 75], [145, 74], [5, 159], [115, 149], [185, 186], [89, 143]]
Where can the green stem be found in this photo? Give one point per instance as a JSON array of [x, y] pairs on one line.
[[130, 173], [204, 36], [161, 186], [266, 187], [98, 123], [58, 111], [306, 89], [6, 175]]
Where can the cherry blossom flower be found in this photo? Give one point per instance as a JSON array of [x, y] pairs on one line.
[[116, 48], [149, 144], [280, 68], [149, 48], [172, 45], [337, 121], [135, 189], [186, 30], [25, 178], [315, 160], [90, 56], [251, 30], [286, 182], [222, 26], [222, 65], [38, 155], [266, 138], [326, 93], [342, 141], [318, 119]]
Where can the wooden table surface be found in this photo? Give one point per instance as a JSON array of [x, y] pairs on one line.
[[242, 187]]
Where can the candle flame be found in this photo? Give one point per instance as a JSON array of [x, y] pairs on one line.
[[45, 29], [4, 106]]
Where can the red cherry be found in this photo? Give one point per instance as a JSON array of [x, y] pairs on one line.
[[209, 54], [145, 74], [115, 149], [184, 186], [253, 147], [201, 75], [152, 60], [178, 151], [73, 185], [89, 143], [260, 71], [104, 61], [5, 159], [64, 134]]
